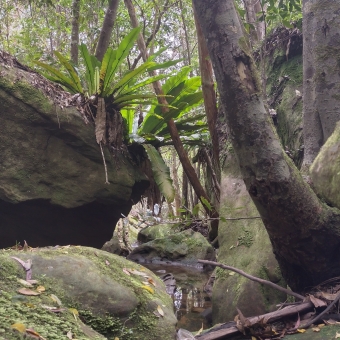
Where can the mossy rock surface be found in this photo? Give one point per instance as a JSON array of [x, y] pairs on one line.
[[325, 170], [284, 90], [244, 244], [183, 248], [110, 302], [156, 231]]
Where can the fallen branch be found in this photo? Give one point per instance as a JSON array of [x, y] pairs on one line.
[[230, 328], [253, 278]]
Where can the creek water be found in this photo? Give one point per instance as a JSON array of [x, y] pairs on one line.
[[190, 301]]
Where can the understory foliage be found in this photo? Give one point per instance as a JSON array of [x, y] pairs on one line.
[[112, 101]]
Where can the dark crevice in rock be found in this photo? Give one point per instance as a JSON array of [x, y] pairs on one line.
[[41, 223]]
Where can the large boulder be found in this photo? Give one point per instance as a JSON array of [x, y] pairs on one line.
[[325, 170], [108, 293], [183, 248], [52, 183], [244, 244]]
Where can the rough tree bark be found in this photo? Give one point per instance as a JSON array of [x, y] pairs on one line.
[[182, 154], [208, 89], [75, 31], [321, 50], [106, 31], [304, 232]]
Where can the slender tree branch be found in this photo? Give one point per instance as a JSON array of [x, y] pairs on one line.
[[253, 278]]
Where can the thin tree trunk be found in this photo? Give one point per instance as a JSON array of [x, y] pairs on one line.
[[185, 197], [198, 172], [107, 28], [75, 31], [208, 89], [175, 181], [321, 74], [183, 157], [305, 233]]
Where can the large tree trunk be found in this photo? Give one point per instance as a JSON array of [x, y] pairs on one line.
[[305, 233], [208, 89], [321, 50], [106, 32]]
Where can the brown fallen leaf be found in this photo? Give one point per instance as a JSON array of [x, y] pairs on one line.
[[107, 262], [69, 335], [25, 283], [316, 329], [301, 330], [317, 302], [126, 271], [151, 281], [26, 291], [337, 335], [136, 272], [33, 332]]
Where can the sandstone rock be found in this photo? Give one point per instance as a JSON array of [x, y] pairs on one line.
[[325, 170], [52, 184], [109, 301]]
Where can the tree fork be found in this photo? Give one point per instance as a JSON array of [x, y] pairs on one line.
[[304, 232]]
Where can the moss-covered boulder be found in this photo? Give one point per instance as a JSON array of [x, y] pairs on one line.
[[283, 64], [325, 170], [183, 248], [52, 184], [108, 293], [244, 244], [156, 231]]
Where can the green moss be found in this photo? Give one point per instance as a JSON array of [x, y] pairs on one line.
[[14, 308], [246, 239]]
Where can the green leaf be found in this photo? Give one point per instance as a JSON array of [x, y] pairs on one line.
[[145, 82], [89, 75], [176, 79], [60, 78], [166, 64], [128, 77], [72, 72], [223, 219], [129, 116], [206, 203], [106, 71], [118, 55], [196, 209], [161, 173], [131, 97]]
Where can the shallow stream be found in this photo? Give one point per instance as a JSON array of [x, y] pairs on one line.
[[190, 301]]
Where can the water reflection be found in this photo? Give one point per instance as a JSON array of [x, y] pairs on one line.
[[189, 298]]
